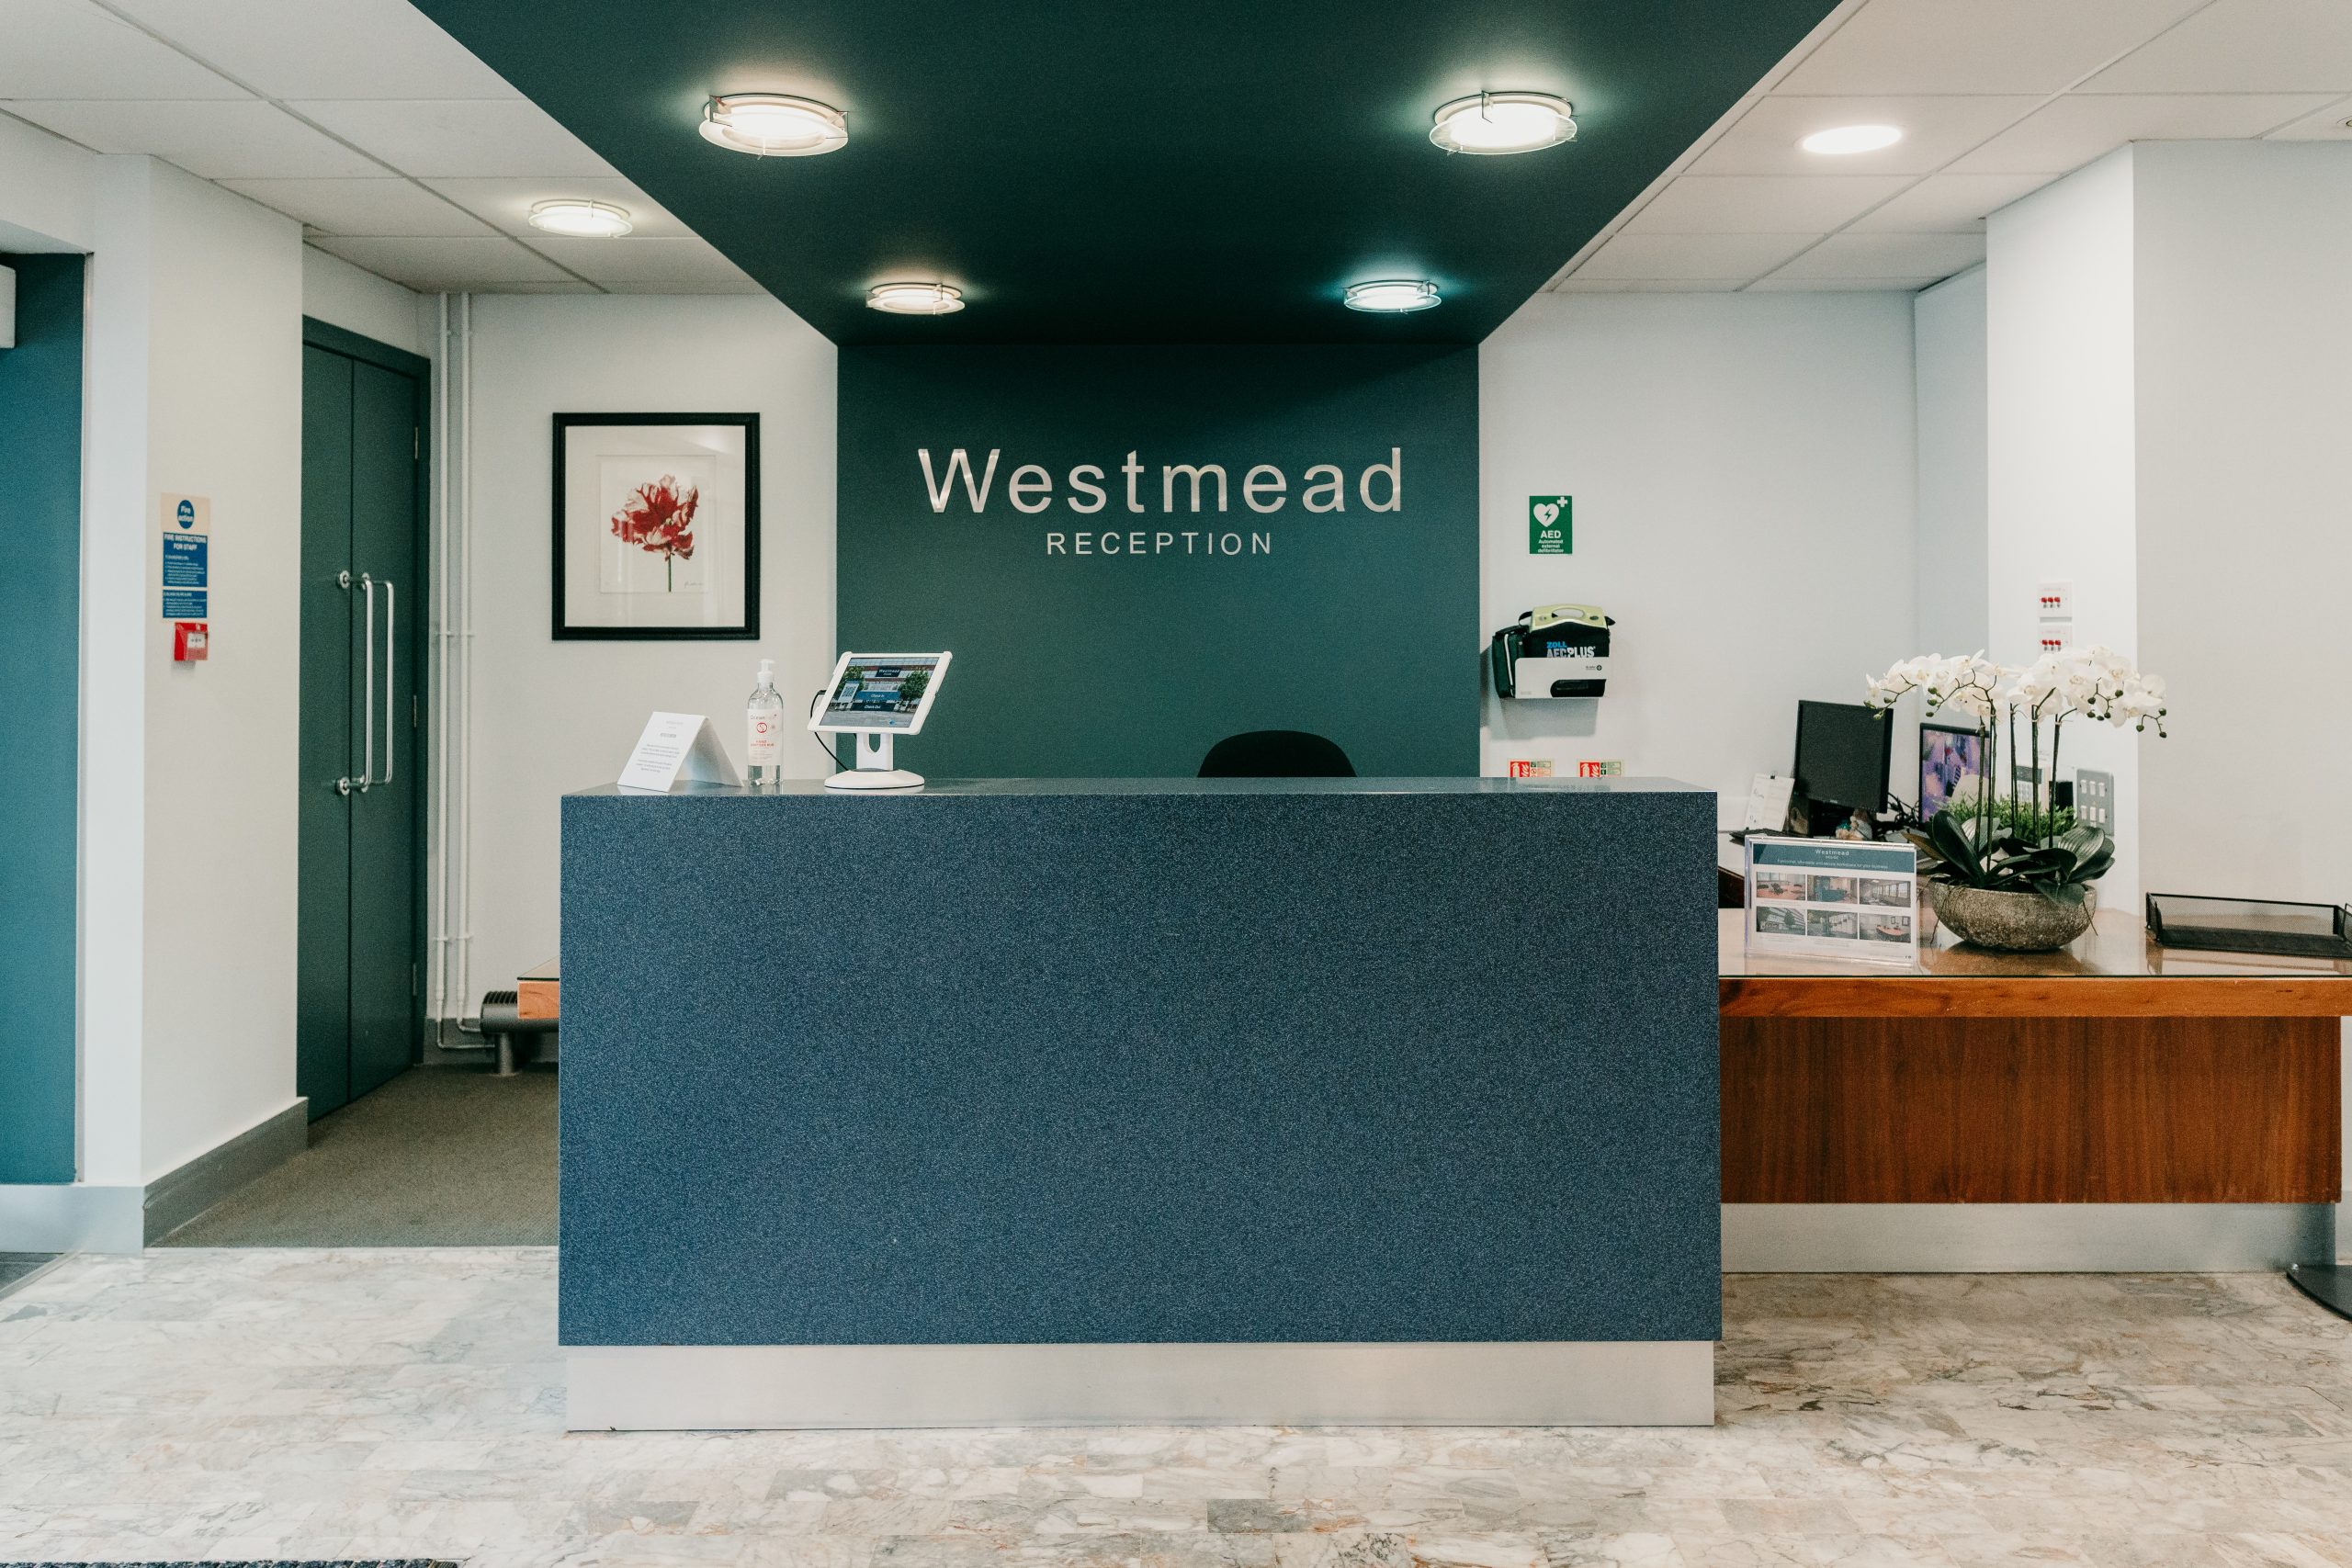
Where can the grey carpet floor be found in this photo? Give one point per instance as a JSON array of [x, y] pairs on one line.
[[439, 1157]]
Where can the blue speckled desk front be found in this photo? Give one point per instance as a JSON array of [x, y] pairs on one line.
[[1140, 1061]]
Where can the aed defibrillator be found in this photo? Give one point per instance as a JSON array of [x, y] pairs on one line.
[[1553, 650]]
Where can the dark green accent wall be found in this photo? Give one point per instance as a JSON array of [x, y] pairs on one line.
[[1357, 624], [40, 598], [1187, 171]]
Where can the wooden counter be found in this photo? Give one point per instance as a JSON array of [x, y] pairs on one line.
[[2114, 1071]]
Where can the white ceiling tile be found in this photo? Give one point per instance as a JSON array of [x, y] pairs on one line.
[[447, 264], [636, 265], [506, 203], [564, 286], [1781, 282], [1692, 257], [1762, 204], [71, 48], [2329, 124], [385, 206], [1935, 130], [1979, 46], [2079, 128], [324, 49], [1949, 203], [1887, 256], [1653, 285], [2243, 46], [244, 140], [429, 139]]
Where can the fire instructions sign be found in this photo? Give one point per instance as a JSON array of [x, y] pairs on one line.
[[186, 558]]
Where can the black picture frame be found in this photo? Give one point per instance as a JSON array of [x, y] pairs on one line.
[[745, 626]]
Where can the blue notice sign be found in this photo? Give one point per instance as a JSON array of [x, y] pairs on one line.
[[187, 560], [185, 604]]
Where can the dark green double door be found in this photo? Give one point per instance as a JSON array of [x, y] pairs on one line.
[[359, 1010]]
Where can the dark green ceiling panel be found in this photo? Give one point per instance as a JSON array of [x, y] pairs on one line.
[[1096, 170]]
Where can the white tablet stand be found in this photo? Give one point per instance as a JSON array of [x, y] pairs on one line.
[[874, 769]]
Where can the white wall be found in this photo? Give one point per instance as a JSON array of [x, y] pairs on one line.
[[1948, 337], [225, 421], [547, 716], [338, 293], [188, 772], [48, 191], [1743, 472], [2245, 465], [2060, 447]]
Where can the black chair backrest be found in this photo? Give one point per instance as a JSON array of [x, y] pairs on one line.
[[1276, 754]]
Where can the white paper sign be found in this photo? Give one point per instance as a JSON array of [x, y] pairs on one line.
[[677, 746], [1768, 804]]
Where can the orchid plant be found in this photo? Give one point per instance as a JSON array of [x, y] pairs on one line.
[[2026, 848]]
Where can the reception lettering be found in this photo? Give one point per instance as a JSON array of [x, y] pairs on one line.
[[1188, 488]]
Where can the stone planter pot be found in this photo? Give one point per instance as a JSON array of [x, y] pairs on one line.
[[2009, 922]]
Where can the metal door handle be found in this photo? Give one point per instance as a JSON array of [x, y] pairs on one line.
[[391, 640], [367, 689]]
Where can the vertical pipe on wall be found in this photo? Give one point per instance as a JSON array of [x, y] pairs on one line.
[[439, 1006], [464, 840]]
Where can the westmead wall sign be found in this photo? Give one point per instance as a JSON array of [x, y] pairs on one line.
[[1194, 494]]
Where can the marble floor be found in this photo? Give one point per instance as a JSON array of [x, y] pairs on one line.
[[294, 1403]]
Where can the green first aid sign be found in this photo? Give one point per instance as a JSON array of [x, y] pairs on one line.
[[1548, 533]]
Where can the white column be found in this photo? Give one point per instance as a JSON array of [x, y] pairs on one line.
[[2061, 484]]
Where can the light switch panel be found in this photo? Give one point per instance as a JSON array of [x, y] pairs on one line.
[[2095, 799], [2055, 601]]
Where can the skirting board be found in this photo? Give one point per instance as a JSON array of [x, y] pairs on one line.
[[2024, 1238], [730, 1387], [71, 1217], [180, 1194], [81, 1216]]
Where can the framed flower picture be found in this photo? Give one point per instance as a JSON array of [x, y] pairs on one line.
[[657, 525]]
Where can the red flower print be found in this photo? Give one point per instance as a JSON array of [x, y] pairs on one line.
[[659, 518]]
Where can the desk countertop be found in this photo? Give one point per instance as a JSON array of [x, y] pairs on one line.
[[950, 789], [2112, 970]]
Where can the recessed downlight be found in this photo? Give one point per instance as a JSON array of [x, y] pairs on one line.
[[915, 299], [773, 125], [1504, 123], [590, 220], [1840, 141], [1391, 294]]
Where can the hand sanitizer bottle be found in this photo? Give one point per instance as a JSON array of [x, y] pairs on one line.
[[764, 715]]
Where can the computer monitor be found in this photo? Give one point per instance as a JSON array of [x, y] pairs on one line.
[[1844, 751], [877, 697]]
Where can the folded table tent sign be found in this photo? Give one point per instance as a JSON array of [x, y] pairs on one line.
[[677, 748]]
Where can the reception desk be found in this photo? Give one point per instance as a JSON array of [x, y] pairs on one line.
[[1043, 1101], [2110, 1106]]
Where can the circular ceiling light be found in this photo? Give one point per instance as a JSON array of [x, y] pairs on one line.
[[915, 299], [590, 219], [771, 125], [1504, 123], [1842, 139], [1392, 295]]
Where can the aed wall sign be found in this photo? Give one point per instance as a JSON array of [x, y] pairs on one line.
[[1551, 524], [187, 560], [1136, 551]]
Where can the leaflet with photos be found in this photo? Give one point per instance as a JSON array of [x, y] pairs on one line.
[[1833, 899]]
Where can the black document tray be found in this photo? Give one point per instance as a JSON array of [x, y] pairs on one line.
[[2268, 926]]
